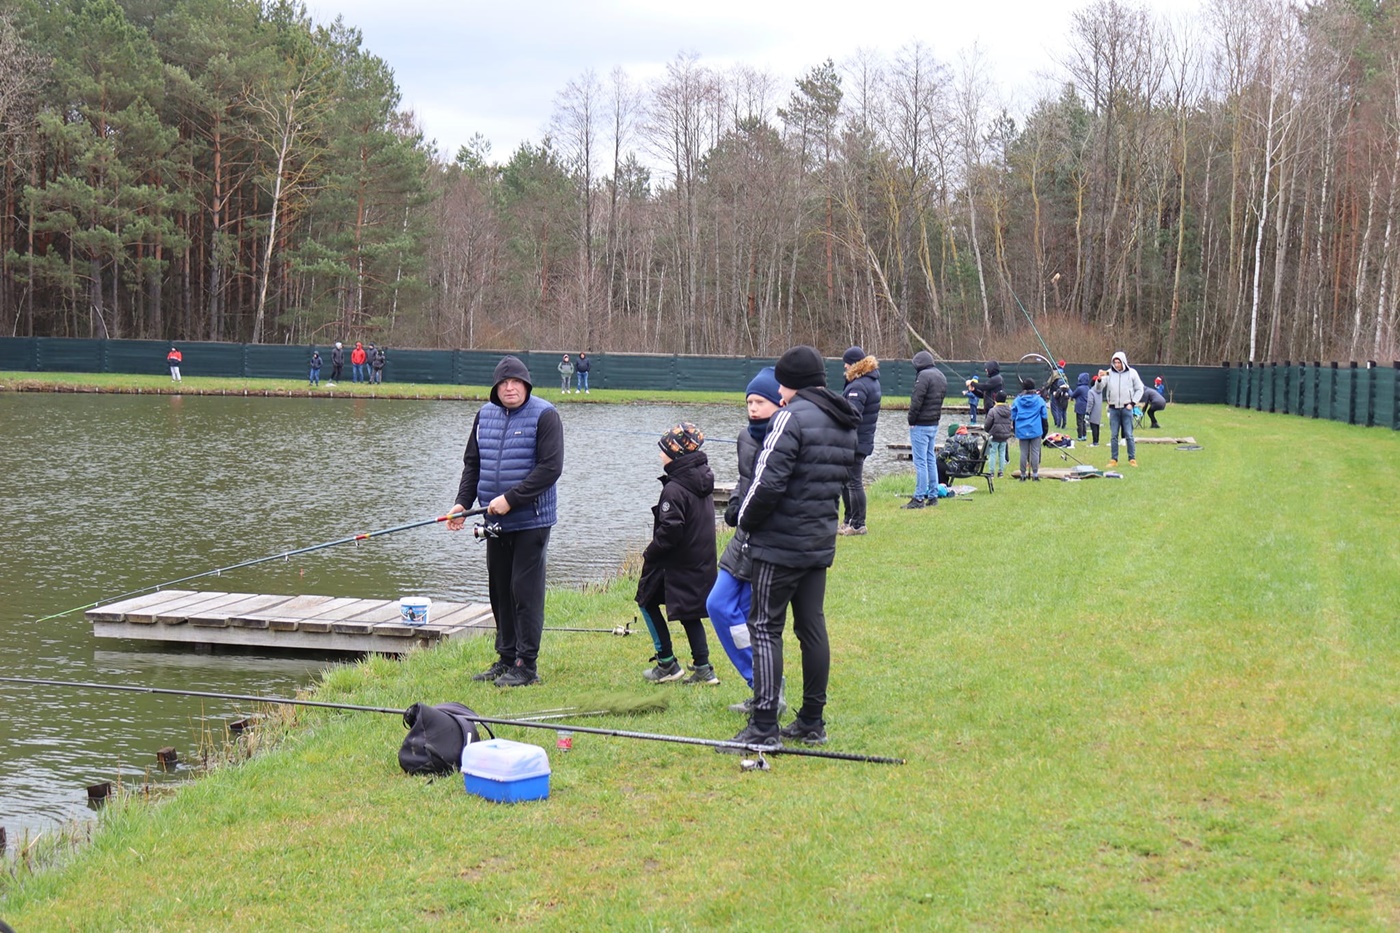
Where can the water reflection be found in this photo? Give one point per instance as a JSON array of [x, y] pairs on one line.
[[106, 494]]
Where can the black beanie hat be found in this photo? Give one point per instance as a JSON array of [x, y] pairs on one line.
[[801, 367], [1028, 384], [853, 355]]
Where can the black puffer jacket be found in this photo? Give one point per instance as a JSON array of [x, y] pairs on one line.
[[994, 384], [930, 388], [736, 559], [863, 392], [678, 566], [790, 511]]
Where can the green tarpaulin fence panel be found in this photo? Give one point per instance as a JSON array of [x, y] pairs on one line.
[[1342, 399], [1295, 388], [19, 354], [1280, 388], [1266, 387], [433, 367], [137, 356], [1385, 385], [1363, 408], [66, 355], [1326, 388], [1309, 377]]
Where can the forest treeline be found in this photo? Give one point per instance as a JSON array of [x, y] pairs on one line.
[[1222, 188]]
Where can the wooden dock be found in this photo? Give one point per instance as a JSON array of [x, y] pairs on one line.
[[305, 623]]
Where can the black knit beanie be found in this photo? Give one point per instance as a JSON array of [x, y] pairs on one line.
[[801, 367]]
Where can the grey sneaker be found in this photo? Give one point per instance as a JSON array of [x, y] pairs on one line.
[[851, 530], [702, 674], [766, 739], [665, 671], [805, 732], [494, 671]]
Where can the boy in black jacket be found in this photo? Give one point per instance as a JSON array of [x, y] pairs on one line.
[[678, 566], [790, 513]]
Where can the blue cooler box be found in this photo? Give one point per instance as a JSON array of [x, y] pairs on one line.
[[506, 771]]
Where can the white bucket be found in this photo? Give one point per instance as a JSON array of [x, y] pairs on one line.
[[413, 610]]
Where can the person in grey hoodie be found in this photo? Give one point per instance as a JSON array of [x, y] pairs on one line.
[[925, 410], [1121, 389]]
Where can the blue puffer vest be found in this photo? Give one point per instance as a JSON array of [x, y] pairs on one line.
[[506, 443]]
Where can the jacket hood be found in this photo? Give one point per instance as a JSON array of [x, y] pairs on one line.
[[832, 404], [1083, 379], [510, 367], [864, 367], [922, 360], [1120, 355], [692, 471], [993, 367]]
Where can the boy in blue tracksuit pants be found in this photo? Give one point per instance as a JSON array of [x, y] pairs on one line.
[[1031, 417], [730, 599]]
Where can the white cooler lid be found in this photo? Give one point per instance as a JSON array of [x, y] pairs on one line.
[[504, 760]]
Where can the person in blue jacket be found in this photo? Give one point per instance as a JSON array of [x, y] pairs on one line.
[[315, 372], [1031, 415]]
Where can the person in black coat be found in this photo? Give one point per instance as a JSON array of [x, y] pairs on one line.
[[337, 361], [988, 390], [678, 566], [863, 393], [925, 410], [790, 513]]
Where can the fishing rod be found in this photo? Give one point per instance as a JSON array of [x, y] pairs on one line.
[[1048, 355], [651, 434], [488, 720], [262, 560]]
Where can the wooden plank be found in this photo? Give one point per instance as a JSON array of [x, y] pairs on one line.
[[287, 614], [251, 638], [397, 629], [115, 612], [460, 614], [386, 611], [354, 607], [218, 616], [181, 616], [150, 614]]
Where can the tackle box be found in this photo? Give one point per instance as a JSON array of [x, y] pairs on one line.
[[506, 771]]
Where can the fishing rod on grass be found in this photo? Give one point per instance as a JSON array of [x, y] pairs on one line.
[[488, 720], [480, 531]]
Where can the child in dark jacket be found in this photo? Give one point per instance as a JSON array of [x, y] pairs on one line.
[[1082, 399], [678, 566], [973, 395], [1032, 419], [999, 429]]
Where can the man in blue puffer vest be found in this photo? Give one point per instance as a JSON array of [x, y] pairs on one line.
[[513, 460]]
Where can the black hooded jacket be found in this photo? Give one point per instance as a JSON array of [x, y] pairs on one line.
[[678, 566], [930, 388], [791, 508], [863, 393]]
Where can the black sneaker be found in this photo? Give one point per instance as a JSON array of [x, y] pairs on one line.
[[518, 676], [765, 738], [913, 504], [494, 671], [805, 732]]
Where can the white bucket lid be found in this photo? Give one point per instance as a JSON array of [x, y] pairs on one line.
[[415, 601]]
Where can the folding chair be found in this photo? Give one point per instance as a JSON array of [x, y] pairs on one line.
[[964, 456]]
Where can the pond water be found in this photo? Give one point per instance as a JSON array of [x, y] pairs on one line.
[[104, 494]]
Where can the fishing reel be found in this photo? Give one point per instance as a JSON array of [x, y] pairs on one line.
[[484, 530]]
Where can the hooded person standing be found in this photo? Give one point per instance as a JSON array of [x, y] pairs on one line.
[[790, 513], [678, 566], [988, 390], [1121, 389], [863, 393], [514, 458], [337, 361], [925, 410]]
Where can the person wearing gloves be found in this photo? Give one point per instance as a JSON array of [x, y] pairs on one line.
[[790, 513], [513, 460], [1031, 416], [1120, 387], [863, 392], [925, 410], [678, 566]]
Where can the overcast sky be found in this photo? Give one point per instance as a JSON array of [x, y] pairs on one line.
[[465, 66]]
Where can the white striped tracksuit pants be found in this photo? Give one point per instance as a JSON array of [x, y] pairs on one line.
[[774, 589]]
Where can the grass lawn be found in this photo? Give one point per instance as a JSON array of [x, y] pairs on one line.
[[1167, 701]]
